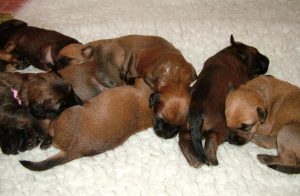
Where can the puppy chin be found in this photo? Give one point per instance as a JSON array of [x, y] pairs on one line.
[[165, 130], [235, 139]]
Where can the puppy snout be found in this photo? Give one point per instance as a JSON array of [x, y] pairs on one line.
[[164, 129], [264, 64]]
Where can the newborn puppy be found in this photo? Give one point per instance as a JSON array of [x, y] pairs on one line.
[[234, 65], [152, 58], [85, 78], [26, 100], [102, 123], [40, 46], [266, 111]]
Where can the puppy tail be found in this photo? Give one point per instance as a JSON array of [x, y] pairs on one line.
[[195, 126], [58, 159], [286, 169]]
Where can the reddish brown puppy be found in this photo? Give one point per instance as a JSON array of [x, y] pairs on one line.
[[153, 58], [233, 65], [101, 124]]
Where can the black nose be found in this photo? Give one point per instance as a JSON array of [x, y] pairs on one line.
[[264, 64]]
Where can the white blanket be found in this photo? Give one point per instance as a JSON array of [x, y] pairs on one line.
[[147, 164]]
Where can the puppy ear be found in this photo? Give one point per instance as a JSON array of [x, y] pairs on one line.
[[154, 97], [232, 40], [230, 87], [38, 111], [262, 114], [87, 52], [149, 81]]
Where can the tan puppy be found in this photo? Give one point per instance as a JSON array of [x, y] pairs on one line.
[[101, 124], [266, 111], [153, 58]]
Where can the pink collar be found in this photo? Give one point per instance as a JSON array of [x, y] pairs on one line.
[[15, 94]]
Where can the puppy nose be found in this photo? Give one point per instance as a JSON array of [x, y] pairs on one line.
[[264, 64]]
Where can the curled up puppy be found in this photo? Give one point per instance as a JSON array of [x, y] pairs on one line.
[[26, 102], [266, 111], [102, 123]]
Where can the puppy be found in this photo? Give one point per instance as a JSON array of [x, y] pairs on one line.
[[85, 79], [40, 46], [266, 111], [152, 58], [101, 124], [233, 65], [26, 101]]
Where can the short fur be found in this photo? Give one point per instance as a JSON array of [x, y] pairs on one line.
[[153, 58], [85, 79], [266, 111], [233, 65], [102, 123], [26, 100], [40, 46]]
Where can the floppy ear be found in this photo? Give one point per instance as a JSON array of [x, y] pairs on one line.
[[38, 111], [149, 81], [87, 52], [232, 40], [262, 114], [154, 97], [230, 87]]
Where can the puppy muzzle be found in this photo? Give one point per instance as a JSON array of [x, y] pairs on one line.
[[164, 129]]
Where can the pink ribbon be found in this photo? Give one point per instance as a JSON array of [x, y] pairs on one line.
[[15, 94]]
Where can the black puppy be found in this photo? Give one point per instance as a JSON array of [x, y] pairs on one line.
[[26, 101]]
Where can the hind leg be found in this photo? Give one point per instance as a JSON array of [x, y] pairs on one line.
[[288, 146], [212, 142]]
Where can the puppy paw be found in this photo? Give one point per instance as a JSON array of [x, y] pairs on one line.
[[46, 143], [213, 162]]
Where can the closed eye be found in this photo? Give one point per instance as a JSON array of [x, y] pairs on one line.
[[246, 127]]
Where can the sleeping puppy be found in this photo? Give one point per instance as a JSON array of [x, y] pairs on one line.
[[40, 46], [152, 58], [266, 111], [233, 65], [85, 78], [102, 123], [26, 100]]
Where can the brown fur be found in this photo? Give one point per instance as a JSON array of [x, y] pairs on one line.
[[38, 96], [162, 66], [102, 123], [266, 111], [40, 46], [85, 79], [233, 65]]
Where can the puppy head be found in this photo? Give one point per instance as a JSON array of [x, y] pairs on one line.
[[8, 28], [169, 75], [255, 63], [245, 111], [48, 95], [170, 110], [73, 54]]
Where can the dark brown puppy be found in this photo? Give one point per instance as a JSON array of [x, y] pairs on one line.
[[25, 101], [101, 124], [40, 46], [233, 65], [8, 28], [162, 66], [266, 111], [85, 79]]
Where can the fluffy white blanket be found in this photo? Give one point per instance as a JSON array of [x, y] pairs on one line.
[[147, 164]]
